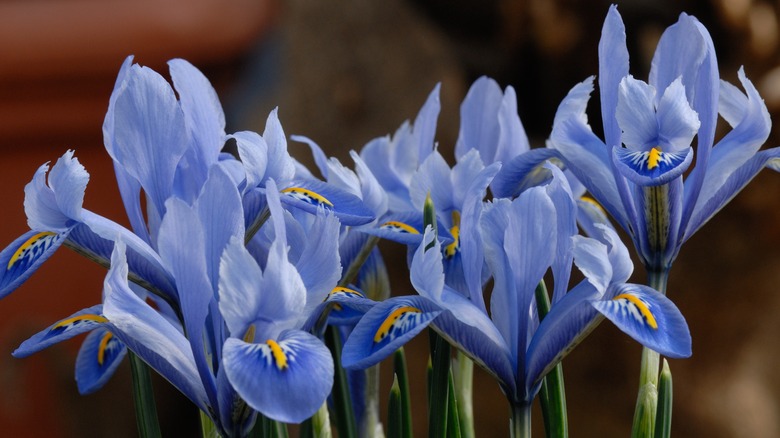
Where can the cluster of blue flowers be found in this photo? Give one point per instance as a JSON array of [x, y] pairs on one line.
[[234, 265]]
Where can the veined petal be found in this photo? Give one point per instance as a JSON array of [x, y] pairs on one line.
[[432, 177], [320, 263], [80, 322], [588, 158], [591, 258], [653, 167], [738, 145], [253, 151], [635, 114], [424, 129], [50, 210], [99, 357], [512, 139], [310, 195], [678, 123], [147, 115], [20, 259], [567, 323], [149, 335], [202, 110], [523, 171], [613, 67], [406, 228], [280, 164], [286, 379], [386, 327], [374, 196], [426, 270], [649, 317], [239, 294], [479, 119]]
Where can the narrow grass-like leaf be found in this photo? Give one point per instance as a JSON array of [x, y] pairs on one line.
[[663, 419], [143, 396]]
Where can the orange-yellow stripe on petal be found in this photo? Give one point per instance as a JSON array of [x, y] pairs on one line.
[[389, 322], [400, 226], [307, 195], [103, 346], [279, 357], [27, 246], [653, 157], [88, 317], [643, 309]]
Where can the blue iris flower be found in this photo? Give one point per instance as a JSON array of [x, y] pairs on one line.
[[520, 248], [659, 171]]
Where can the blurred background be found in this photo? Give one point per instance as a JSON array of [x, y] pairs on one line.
[[343, 74]]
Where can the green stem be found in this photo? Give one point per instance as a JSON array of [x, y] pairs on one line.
[[143, 396], [464, 382], [520, 425], [552, 395], [647, 399], [399, 367], [207, 427], [453, 419], [342, 400], [438, 397], [255, 226], [663, 420]]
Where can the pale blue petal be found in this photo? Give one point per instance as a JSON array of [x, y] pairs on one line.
[[426, 271], [568, 322], [373, 195], [729, 188], [566, 225], [149, 335], [465, 173], [588, 158], [523, 171], [280, 164], [679, 54], [320, 265], [645, 169], [592, 259], [649, 317], [732, 103], [479, 119], [20, 259], [253, 151], [613, 67], [202, 110], [320, 159], [68, 180], [678, 123], [432, 177], [377, 156], [424, 129], [286, 379], [80, 322], [221, 216], [311, 195], [40, 205], [512, 139], [239, 291], [385, 328], [130, 190], [99, 357], [636, 114], [738, 145]]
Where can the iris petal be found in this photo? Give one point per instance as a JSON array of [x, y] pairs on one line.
[[98, 359], [20, 259], [286, 379], [80, 322], [309, 195], [649, 317]]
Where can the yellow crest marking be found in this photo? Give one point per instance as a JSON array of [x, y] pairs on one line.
[[400, 225], [388, 323], [23, 248], [301, 193], [653, 157], [279, 357], [89, 317], [103, 346], [643, 309], [452, 249]]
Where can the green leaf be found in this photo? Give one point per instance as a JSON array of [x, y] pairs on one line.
[[143, 396], [399, 364], [663, 419]]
